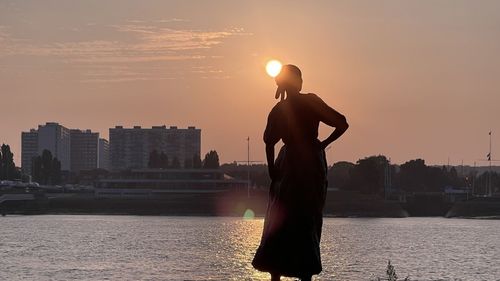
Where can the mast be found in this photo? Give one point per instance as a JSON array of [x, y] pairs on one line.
[[474, 179], [489, 174], [387, 179], [248, 167], [248, 162]]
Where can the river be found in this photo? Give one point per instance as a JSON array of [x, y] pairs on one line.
[[91, 247]]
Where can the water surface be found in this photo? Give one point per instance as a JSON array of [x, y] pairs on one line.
[[61, 247]]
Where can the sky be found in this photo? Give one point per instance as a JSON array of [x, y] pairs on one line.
[[415, 79]]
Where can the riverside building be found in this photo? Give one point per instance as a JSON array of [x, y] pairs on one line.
[[29, 149], [51, 136], [131, 147], [103, 154], [77, 150], [84, 150], [176, 184]]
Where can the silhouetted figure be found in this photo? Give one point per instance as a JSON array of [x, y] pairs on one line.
[[292, 227]]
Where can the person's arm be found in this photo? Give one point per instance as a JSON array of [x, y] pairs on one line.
[[332, 118], [270, 160], [271, 137], [339, 131]]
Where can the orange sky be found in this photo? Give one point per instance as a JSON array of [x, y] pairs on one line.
[[416, 79]]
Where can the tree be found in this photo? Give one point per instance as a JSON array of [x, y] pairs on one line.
[[211, 160], [188, 163], [368, 174], [36, 169], [46, 169], [197, 161], [338, 175], [8, 169], [158, 160], [412, 175], [453, 179], [176, 164], [163, 161], [154, 160], [415, 175], [55, 173], [46, 166]]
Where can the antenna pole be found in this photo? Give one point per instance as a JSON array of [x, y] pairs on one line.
[[489, 174], [248, 167], [474, 179]]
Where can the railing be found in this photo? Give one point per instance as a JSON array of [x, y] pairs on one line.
[[16, 197]]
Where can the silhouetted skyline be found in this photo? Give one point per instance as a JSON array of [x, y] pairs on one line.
[[417, 79]]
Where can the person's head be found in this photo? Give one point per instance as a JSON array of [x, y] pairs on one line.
[[289, 79]]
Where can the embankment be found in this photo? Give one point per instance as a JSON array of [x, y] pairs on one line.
[[338, 204], [476, 208]]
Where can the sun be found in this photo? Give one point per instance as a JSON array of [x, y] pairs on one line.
[[273, 68]]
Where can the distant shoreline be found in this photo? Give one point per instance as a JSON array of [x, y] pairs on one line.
[[338, 205], [327, 216]]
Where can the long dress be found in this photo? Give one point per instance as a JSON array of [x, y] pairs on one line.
[[290, 243]]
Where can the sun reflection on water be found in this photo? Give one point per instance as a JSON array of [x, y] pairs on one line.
[[244, 237]]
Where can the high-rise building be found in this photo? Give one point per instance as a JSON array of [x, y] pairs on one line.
[[56, 139], [130, 147], [103, 154], [29, 149], [84, 150], [77, 150]]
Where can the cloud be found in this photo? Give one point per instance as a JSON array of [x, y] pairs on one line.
[[159, 21], [5, 36], [162, 38], [134, 42], [171, 20], [149, 41], [3, 33]]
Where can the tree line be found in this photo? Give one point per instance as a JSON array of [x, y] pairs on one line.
[[371, 174], [368, 175], [8, 170], [46, 169], [160, 160]]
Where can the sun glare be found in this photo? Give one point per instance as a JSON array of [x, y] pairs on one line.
[[273, 68]]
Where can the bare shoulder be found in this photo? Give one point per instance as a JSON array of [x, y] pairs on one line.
[[312, 99], [280, 105], [277, 108], [312, 96]]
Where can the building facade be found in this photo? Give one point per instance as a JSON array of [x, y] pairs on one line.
[[160, 183], [84, 150], [29, 149], [56, 139], [77, 150], [131, 147], [103, 154]]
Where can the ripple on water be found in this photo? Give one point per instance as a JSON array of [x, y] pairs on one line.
[[209, 248]]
